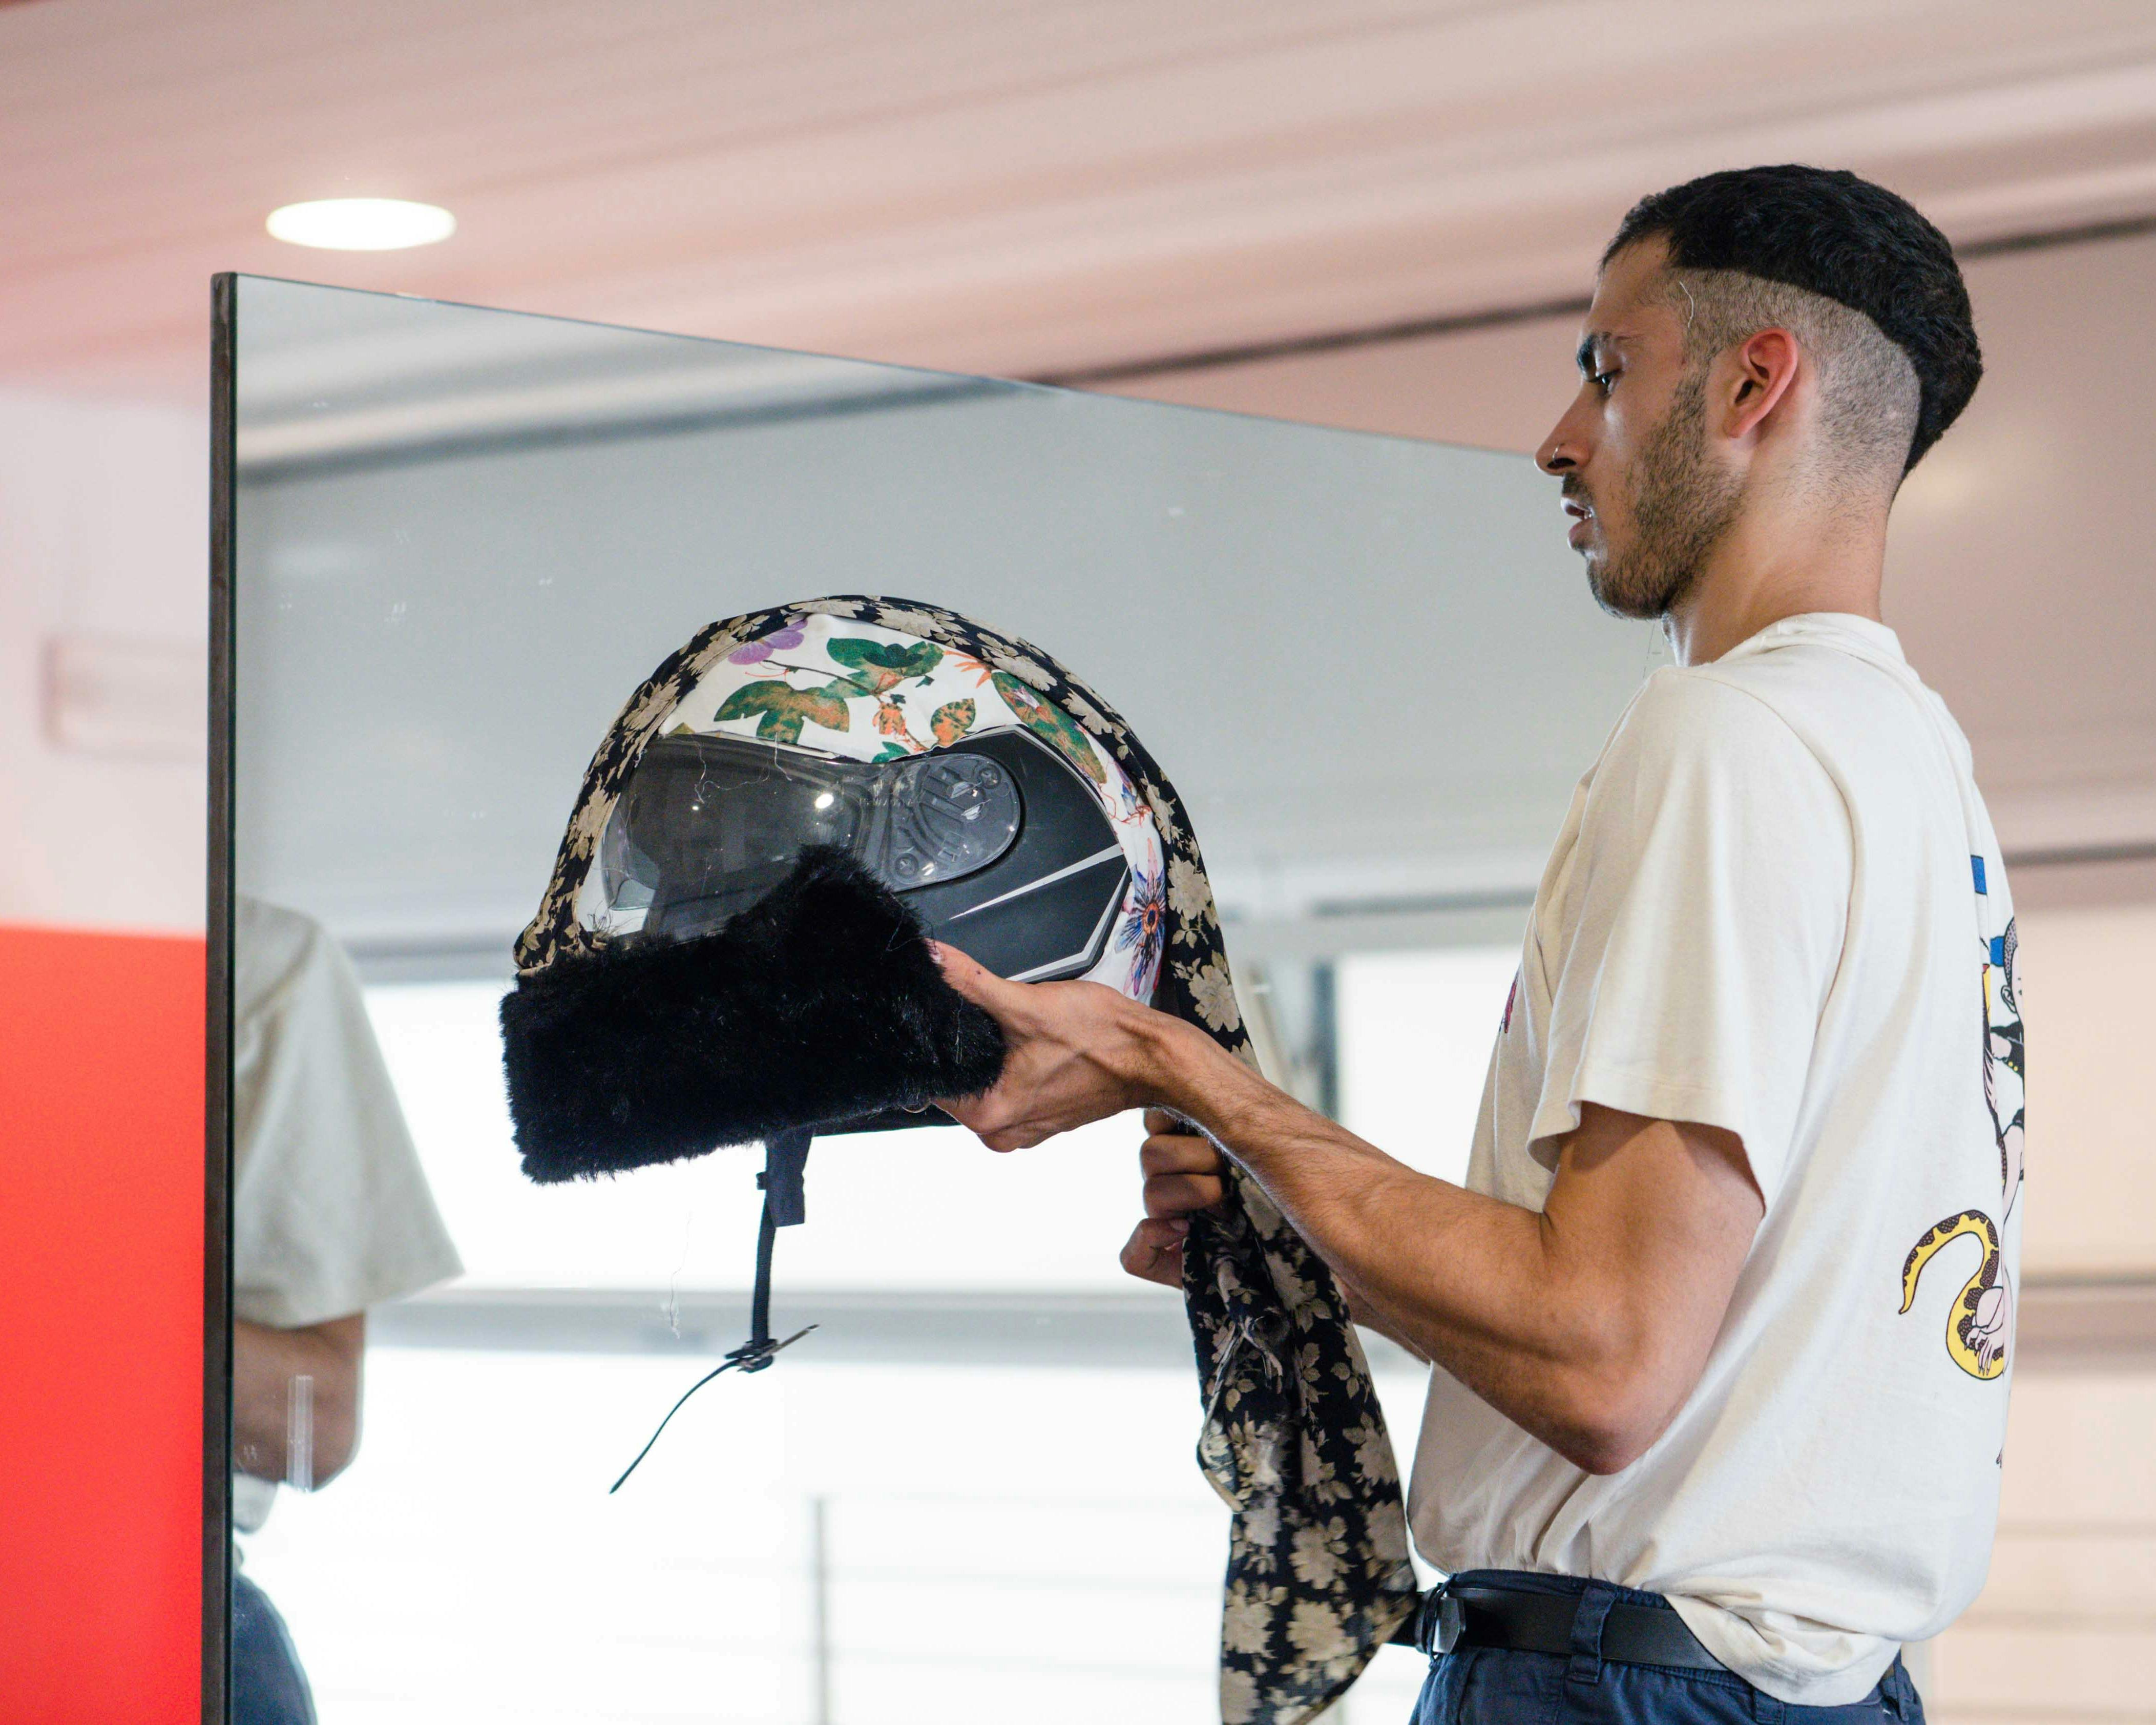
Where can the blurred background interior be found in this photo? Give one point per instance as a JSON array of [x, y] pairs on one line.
[[1376, 217]]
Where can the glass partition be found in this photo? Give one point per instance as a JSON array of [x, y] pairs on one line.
[[458, 539]]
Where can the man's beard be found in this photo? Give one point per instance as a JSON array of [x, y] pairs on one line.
[[1681, 508]]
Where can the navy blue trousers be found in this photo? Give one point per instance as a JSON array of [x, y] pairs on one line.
[[1495, 1686], [269, 1687]]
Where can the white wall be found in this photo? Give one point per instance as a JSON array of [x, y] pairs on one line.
[[2021, 581], [2024, 523], [2091, 1013], [2019, 575], [103, 558]]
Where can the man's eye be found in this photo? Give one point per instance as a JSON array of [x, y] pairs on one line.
[[1602, 380]]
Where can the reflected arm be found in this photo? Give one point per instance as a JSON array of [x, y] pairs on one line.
[[264, 1362]]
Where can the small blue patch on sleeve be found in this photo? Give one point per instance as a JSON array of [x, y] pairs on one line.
[[1999, 951], [1976, 865]]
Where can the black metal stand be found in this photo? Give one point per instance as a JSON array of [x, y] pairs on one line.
[[785, 1205]]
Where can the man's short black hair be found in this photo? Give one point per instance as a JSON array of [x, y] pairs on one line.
[[1827, 232]]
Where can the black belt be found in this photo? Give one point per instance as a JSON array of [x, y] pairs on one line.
[[1525, 1622]]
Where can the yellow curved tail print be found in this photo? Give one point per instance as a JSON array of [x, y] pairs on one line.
[[1980, 1324]]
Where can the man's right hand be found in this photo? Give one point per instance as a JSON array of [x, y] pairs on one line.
[[1184, 1173]]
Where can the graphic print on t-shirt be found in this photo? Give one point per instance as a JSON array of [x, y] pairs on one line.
[[1980, 1326], [1981, 1323], [2003, 1059]]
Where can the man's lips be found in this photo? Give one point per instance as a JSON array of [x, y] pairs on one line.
[[1582, 514]]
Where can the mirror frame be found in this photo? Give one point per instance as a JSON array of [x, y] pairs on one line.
[[217, 1110]]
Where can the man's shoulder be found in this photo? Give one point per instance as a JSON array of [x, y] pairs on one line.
[[1870, 720], [1697, 749], [290, 973], [1834, 703], [274, 950], [1805, 678], [1700, 714]]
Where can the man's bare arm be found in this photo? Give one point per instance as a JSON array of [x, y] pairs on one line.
[[1586, 1322], [264, 1362], [1184, 1174]]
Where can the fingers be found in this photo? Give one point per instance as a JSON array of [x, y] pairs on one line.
[[1182, 1195], [1182, 1175], [984, 1114], [1175, 1154], [991, 1117], [1018, 1138], [1181, 1191], [1154, 1252], [986, 1123], [975, 980]]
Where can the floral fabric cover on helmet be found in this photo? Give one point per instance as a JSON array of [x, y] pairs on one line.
[[1291, 1436], [831, 685]]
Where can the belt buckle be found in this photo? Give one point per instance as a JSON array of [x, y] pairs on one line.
[[1451, 1622]]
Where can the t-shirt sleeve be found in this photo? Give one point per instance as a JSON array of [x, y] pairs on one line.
[[1709, 892], [331, 1212]]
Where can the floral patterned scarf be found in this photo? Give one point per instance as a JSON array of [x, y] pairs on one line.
[[1292, 1439]]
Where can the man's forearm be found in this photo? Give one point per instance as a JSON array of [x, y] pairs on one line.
[[1367, 1313], [264, 1361], [1462, 1279], [1587, 1321]]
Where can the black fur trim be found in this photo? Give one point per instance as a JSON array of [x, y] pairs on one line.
[[818, 1006]]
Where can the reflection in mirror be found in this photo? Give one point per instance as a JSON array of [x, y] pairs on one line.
[[462, 537], [332, 1215]]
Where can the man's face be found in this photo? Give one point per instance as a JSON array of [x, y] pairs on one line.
[[1647, 504]]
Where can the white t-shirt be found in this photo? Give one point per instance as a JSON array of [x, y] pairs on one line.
[[1774, 907], [330, 1213]]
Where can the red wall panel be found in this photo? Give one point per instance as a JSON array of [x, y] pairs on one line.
[[101, 1187]]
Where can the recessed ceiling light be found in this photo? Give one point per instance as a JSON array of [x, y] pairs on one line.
[[362, 224]]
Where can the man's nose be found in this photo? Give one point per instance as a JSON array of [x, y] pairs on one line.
[[1564, 448], [1557, 455]]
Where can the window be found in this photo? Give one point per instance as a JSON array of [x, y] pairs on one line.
[[970, 1496]]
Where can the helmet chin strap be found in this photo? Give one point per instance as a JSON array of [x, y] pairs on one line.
[[785, 1205]]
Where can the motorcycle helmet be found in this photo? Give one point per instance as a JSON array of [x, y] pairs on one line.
[[731, 949]]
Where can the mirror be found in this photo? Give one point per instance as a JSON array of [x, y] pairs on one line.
[[458, 539]]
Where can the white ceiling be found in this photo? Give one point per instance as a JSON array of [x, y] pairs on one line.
[[982, 184]]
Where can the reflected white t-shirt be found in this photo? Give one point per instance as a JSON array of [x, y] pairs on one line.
[[331, 1212], [1777, 907]]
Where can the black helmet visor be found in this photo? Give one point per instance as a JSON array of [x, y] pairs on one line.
[[709, 825]]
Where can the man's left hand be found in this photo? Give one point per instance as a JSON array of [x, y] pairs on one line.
[[1077, 1052]]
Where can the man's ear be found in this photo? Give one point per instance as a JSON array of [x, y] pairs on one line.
[[1766, 371]]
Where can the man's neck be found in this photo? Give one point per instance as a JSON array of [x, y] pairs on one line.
[[1773, 565]]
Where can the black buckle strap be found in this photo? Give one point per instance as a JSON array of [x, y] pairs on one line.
[[785, 1205], [1542, 1623]]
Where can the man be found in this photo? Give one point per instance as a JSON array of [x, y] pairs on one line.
[[331, 1214], [1684, 1457]]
